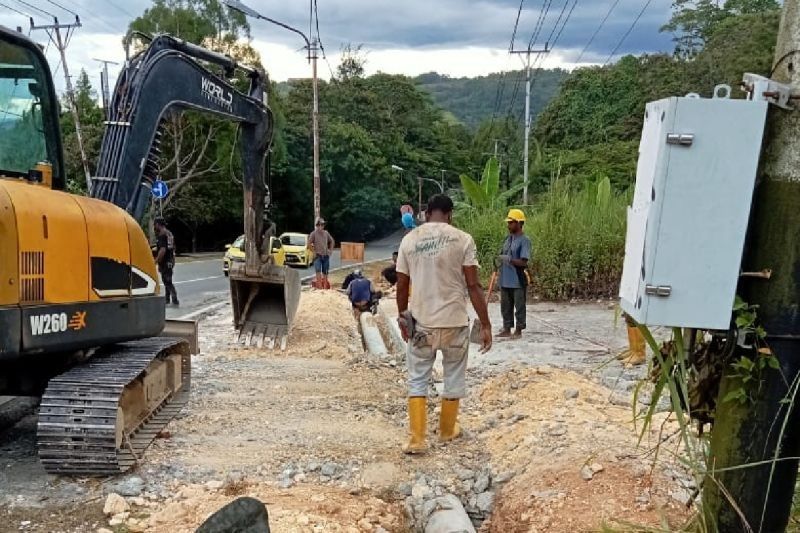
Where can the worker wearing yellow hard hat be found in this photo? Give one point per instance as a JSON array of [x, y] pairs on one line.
[[515, 215], [513, 270]]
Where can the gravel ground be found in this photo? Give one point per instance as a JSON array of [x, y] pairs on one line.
[[315, 433]]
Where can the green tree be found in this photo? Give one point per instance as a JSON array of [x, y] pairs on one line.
[[198, 148], [91, 116]]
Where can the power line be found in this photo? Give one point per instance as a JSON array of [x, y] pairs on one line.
[[516, 24], [40, 10], [619, 44], [319, 40], [112, 4], [540, 23], [62, 7], [597, 31], [15, 10]]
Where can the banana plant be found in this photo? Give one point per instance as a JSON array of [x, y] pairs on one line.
[[485, 194]]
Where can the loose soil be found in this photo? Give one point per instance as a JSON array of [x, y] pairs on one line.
[[315, 432]]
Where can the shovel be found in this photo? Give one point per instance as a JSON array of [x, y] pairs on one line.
[[475, 333]]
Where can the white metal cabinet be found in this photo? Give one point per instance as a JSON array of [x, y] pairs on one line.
[[686, 226]]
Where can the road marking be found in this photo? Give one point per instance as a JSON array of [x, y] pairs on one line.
[[199, 261], [195, 280], [204, 310]]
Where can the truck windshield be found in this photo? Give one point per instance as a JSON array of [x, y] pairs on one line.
[[24, 102]]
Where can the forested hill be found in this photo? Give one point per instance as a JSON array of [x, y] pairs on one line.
[[472, 100]]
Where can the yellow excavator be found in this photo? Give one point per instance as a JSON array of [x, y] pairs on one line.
[[81, 317]]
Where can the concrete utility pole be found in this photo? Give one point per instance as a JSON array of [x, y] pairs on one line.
[[767, 430], [54, 32], [105, 89], [527, 62], [312, 54]]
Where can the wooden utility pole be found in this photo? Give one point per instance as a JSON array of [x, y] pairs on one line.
[[768, 429], [54, 32], [527, 54]]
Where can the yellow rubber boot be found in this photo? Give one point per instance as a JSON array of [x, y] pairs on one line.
[[635, 354], [448, 421], [418, 421]]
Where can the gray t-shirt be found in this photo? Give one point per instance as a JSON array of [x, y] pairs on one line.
[[321, 242], [518, 247]]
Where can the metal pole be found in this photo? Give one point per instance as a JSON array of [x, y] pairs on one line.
[[527, 129], [419, 188], [315, 121], [766, 428], [527, 53]]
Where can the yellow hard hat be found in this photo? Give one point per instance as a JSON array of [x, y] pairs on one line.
[[515, 215]]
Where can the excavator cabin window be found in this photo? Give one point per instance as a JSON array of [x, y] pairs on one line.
[[28, 131]]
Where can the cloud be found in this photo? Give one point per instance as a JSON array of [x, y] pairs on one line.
[[455, 37]]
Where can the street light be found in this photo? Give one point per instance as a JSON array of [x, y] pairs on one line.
[[420, 179], [311, 46]]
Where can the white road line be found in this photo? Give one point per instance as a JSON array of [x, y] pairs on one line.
[[198, 262], [194, 280], [204, 310]]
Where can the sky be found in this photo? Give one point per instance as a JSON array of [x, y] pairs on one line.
[[453, 37]]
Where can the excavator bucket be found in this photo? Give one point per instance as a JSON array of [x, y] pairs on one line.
[[264, 305]]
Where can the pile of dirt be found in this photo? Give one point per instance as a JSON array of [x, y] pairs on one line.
[[574, 456], [323, 328]]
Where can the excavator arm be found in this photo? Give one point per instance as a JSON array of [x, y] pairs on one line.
[[167, 78]]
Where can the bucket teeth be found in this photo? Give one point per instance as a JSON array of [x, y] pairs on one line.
[[260, 336]]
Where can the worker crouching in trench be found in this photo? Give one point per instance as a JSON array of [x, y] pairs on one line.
[[442, 262]]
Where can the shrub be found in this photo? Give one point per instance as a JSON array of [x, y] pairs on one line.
[[578, 240], [578, 237]]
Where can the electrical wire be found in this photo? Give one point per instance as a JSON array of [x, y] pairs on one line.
[[781, 59], [319, 40], [15, 10], [627, 33], [597, 31], [540, 22], [516, 25], [61, 7], [40, 10]]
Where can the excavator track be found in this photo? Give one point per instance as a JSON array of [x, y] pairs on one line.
[[98, 418]]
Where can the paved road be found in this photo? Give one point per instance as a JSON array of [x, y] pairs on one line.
[[201, 283]]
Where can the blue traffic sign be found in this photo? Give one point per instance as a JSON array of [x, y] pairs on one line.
[[160, 189]]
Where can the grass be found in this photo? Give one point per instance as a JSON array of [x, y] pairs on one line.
[[578, 237]]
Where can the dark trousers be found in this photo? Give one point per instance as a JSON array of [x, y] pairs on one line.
[[512, 305], [169, 288]]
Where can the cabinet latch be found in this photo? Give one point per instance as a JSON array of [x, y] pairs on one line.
[[681, 139], [658, 290]]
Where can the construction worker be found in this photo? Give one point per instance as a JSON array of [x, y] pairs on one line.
[[362, 293], [390, 273], [442, 262], [165, 258], [322, 243], [635, 354], [513, 282]]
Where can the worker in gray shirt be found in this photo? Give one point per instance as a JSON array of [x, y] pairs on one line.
[[513, 283]]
